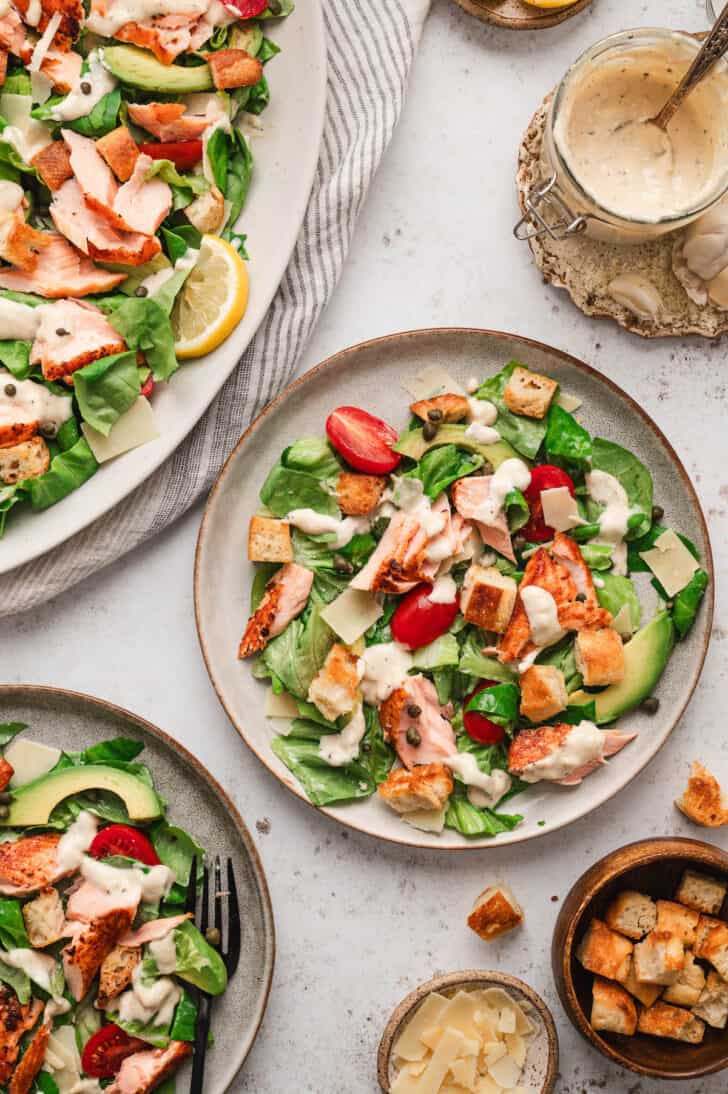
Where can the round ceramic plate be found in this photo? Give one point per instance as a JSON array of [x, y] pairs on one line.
[[517, 15], [74, 722], [286, 154], [370, 375]]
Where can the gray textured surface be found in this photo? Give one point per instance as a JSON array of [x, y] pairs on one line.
[[360, 923]]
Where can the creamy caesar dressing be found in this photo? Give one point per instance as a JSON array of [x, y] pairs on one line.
[[511, 475], [543, 616], [482, 411], [525, 663], [341, 748], [151, 1004], [408, 495], [132, 884], [384, 668], [583, 745], [107, 16], [613, 520], [24, 401], [92, 87], [40, 967], [444, 590], [482, 434], [164, 952], [27, 136], [484, 791], [17, 321], [33, 13], [75, 842], [439, 548], [312, 523]]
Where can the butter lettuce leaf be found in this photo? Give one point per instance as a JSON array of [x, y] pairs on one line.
[[526, 435], [633, 476]]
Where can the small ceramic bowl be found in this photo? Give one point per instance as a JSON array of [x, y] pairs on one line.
[[542, 1060], [517, 15], [652, 866]]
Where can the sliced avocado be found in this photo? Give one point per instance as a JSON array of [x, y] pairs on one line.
[[34, 802], [138, 68], [247, 36], [413, 444], [645, 657]]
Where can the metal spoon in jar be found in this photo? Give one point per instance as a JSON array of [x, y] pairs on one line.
[[712, 49]]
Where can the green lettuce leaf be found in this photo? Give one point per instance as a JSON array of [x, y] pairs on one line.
[[687, 602], [314, 455], [231, 163], [598, 556], [144, 325], [16, 979], [440, 653], [296, 655], [563, 657], [286, 489], [12, 925], [567, 443], [114, 751], [185, 1020], [68, 470], [197, 961], [634, 477], [176, 849], [46, 1084], [498, 703], [106, 388], [9, 730], [475, 663], [517, 510], [616, 591], [469, 821], [153, 1035], [103, 118], [15, 357], [185, 188], [526, 435], [440, 467]]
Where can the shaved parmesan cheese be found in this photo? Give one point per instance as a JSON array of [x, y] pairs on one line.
[[352, 614], [407, 1081], [568, 402], [30, 760], [280, 706], [506, 1072], [431, 382], [507, 1020], [560, 510], [516, 1048], [44, 42], [622, 622], [427, 820], [671, 562], [408, 1045], [463, 1071], [450, 1047], [135, 428]]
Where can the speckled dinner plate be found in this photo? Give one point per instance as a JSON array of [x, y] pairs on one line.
[[370, 375], [199, 804]]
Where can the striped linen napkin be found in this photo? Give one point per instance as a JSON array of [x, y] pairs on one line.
[[371, 45]]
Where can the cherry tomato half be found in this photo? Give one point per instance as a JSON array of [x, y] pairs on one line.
[[544, 477], [417, 621], [122, 839], [364, 441], [183, 154], [106, 1050], [248, 9], [477, 726], [147, 386]]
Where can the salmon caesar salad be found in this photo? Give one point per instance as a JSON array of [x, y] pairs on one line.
[[449, 614], [124, 166], [100, 965]]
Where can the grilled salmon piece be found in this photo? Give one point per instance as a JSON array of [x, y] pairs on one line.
[[173, 121], [399, 713], [62, 69], [3, 65], [144, 1071], [285, 597], [15, 1020], [12, 32], [64, 271], [153, 930], [29, 864], [166, 35], [92, 233], [72, 334], [87, 950], [468, 496], [405, 554], [69, 28], [16, 425], [115, 974], [91, 170], [31, 1063], [141, 203], [532, 746]]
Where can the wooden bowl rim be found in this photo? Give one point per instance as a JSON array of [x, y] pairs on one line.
[[622, 860], [535, 21], [467, 977]]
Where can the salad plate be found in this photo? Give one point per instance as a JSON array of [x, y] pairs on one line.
[[285, 151], [371, 377], [73, 723]]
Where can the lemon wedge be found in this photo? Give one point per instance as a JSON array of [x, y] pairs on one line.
[[212, 301], [545, 4]]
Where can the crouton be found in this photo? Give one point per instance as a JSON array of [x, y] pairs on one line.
[[678, 920], [207, 212], [44, 918], [646, 993], [357, 494], [53, 164], [703, 801], [427, 786], [488, 598], [685, 992], [269, 540], [634, 914], [233, 68], [662, 1020], [116, 973], [599, 656], [604, 952], [529, 393], [28, 460], [495, 911], [442, 408], [659, 958], [335, 688], [543, 692], [612, 1008], [6, 773], [711, 943], [120, 151], [712, 1006], [704, 894]]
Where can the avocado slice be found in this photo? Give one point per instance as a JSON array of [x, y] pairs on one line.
[[34, 802], [138, 68], [413, 444], [645, 657], [247, 36]]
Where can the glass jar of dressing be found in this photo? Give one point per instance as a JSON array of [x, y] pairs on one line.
[[606, 169]]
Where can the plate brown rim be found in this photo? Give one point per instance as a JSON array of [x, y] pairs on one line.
[[384, 342], [481, 10], [20, 690]]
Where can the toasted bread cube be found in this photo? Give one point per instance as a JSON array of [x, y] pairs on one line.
[[634, 914], [358, 494], [599, 656], [116, 973], [269, 540], [207, 212], [442, 408], [703, 801], [120, 151], [27, 460], [44, 918], [543, 693], [662, 1020], [604, 952], [529, 393], [495, 911], [659, 958], [678, 920], [646, 993], [335, 688], [711, 943], [488, 598], [53, 164], [426, 786], [712, 1006], [704, 894], [612, 1008], [233, 68], [685, 992]]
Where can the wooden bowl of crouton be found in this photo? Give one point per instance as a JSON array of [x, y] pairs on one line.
[[640, 957]]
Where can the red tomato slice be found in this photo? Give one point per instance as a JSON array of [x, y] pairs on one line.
[[544, 477], [122, 839], [147, 386], [106, 1050], [183, 154], [477, 726], [417, 621], [364, 441], [248, 9]]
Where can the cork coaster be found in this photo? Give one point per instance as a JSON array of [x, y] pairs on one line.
[[584, 267], [517, 15]]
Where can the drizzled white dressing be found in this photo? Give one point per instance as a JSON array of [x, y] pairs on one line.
[[151, 1004], [79, 103], [312, 523], [609, 492], [31, 402], [444, 590], [383, 669], [583, 745], [119, 12], [38, 966], [75, 842], [164, 952], [341, 748], [511, 475], [17, 321], [543, 616], [133, 884], [484, 791]]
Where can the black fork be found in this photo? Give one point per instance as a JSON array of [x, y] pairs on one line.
[[228, 947]]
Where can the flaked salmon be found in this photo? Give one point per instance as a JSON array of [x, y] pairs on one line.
[[141, 203], [153, 930], [72, 333], [407, 553], [62, 69], [469, 495], [12, 32], [165, 35], [29, 864], [64, 271], [16, 1020], [398, 715], [87, 950], [144, 1071], [93, 234], [24, 1075], [285, 597], [171, 121], [69, 28], [91, 170], [567, 765]]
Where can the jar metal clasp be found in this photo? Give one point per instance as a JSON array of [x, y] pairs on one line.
[[547, 213]]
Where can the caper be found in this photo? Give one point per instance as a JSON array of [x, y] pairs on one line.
[[62, 332], [413, 736], [85, 87], [581, 597], [429, 431], [434, 415], [6, 797], [366, 747], [4, 812], [142, 290], [213, 936], [342, 565], [48, 428], [414, 711], [10, 390], [657, 512], [651, 705]]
